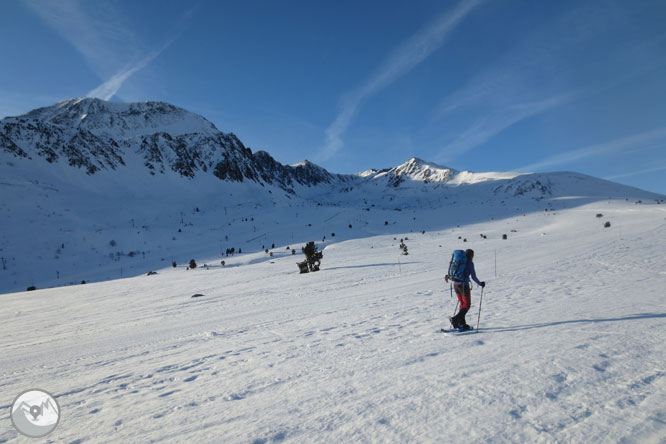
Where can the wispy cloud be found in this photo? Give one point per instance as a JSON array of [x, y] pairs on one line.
[[533, 77], [100, 35], [402, 60], [103, 37], [638, 142], [637, 173], [497, 121]]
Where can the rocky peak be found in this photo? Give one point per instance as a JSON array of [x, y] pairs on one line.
[[414, 169]]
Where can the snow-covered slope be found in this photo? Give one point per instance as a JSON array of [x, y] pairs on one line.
[[570, 349], [93, 190]]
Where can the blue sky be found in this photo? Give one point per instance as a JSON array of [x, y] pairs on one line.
[[481, 85]]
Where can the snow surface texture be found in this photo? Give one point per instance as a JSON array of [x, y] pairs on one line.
[[571, 346]]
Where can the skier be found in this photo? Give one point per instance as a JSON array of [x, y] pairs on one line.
[[462, 288]]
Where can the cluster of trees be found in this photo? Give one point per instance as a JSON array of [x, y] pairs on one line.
[[232, 251]]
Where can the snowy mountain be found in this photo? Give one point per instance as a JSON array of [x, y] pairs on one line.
[[93, 135], [94, 190], [157, 138]]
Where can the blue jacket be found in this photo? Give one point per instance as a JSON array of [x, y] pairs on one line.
[[467, 272]]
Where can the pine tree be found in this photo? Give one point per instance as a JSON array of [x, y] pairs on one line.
[[313, 257]]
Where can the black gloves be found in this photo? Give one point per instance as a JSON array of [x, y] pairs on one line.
[[483, 284]]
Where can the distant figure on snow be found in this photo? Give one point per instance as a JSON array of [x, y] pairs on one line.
[[460, 269]]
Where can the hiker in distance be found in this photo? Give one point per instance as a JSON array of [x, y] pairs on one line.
[[460, 269]]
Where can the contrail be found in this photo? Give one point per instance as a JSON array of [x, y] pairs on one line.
[[109, 88], [644, 140], [402, 60]]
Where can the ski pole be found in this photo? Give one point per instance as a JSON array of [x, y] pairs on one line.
[[455, 309], [479, 316]]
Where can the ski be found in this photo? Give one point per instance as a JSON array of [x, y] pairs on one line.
[[457, 330]]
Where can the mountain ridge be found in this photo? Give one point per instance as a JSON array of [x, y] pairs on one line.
[[93, 135]]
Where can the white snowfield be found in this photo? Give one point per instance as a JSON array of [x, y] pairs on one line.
[[571, 346]]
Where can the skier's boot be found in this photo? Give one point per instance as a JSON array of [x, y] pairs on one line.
[[465, 327], [454, 321], [460, 319]]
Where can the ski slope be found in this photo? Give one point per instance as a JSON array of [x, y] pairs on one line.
[[571, 346]]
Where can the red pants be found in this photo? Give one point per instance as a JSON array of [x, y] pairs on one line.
[[464, 295]]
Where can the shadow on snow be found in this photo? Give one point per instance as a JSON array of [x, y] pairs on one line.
[[636, 317], [388, 264]]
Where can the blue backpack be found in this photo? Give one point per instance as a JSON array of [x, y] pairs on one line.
[[457, 266]]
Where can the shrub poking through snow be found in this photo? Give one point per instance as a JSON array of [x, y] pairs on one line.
[[313, 257], [607, 225], [403, 247], [193, 264]]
